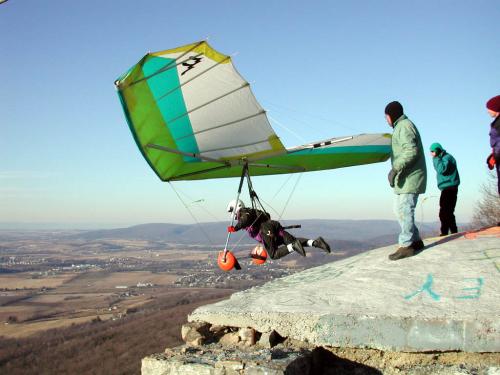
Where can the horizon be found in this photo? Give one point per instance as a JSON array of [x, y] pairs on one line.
[[43, 226]]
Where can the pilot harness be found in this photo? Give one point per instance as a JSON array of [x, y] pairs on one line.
[[256, 205]]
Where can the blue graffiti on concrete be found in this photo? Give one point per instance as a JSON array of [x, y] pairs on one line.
[[425, 288], [475, 292]]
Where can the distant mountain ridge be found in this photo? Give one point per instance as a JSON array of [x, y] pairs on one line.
[[355, 231]]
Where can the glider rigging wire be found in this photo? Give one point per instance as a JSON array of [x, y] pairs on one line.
[[192, 215]]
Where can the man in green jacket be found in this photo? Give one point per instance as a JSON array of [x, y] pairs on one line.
[[448, 181], [408, 177]]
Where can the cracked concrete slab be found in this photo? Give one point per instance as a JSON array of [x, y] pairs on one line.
[[445, 298]]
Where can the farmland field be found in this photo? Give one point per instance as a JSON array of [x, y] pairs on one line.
[[49, 281], [30, 305]]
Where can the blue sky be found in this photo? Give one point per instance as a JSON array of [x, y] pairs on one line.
[[320, 68]]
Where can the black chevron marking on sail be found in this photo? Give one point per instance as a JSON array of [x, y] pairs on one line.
[[189, 65]]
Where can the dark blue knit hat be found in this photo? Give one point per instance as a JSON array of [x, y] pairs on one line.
[[394, 110]]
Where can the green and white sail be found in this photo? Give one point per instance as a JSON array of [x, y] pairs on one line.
[[193, 116]]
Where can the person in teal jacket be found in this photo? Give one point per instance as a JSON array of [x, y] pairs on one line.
[[408, 177], [448, 180]]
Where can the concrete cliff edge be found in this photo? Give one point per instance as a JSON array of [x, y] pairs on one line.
[[445, 299]]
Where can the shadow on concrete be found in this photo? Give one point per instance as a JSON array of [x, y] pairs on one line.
[[323, 362], [441, 241]]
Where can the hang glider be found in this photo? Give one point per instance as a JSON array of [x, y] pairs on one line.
[[193, 116]]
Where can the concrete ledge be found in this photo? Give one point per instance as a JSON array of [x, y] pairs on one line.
[[444, 299]]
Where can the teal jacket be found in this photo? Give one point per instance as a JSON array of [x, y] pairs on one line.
[[408, 158], [447, 172]]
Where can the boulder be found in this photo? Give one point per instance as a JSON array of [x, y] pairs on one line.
[[195, 333], [230, 339], [270, 339], [247, 336]]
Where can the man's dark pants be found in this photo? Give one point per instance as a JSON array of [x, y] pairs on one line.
[[275, 239], [447, 204]]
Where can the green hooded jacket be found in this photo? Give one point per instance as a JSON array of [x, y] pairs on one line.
[[446, 168], [408, 158]]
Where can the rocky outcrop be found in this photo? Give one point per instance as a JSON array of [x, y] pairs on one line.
[[283, 359], [244, 351], [219, 360]]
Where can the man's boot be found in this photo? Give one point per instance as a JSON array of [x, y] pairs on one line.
[[297, 246], [402, 252], [321, 244]]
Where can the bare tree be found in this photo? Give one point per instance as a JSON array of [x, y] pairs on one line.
[[487, 210]]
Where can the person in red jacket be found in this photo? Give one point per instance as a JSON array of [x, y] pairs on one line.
[[277, 241]]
